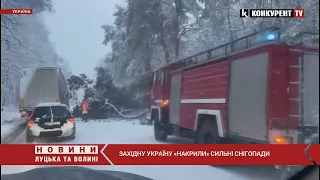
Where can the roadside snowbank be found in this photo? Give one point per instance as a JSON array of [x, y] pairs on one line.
[[8, 115], [10, 120]]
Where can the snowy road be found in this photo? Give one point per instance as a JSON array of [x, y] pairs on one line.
[[124, 132]]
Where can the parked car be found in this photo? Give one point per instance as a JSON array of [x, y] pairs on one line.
[[51, 120], [25, 115]]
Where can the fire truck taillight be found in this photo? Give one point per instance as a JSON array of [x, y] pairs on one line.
[[165, 103], [283, 140]]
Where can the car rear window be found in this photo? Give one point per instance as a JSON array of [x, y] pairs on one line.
[[42, 112], [45, 112], [59, 111]]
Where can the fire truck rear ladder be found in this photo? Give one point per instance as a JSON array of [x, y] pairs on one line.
[[299, 39]]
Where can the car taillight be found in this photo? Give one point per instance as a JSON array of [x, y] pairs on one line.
[[71, 119], [24, 115], [30, 123]]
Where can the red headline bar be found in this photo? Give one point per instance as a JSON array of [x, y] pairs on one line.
[[159, 154], [29, 154], [16, 11]]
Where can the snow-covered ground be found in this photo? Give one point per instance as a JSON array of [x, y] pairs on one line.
[[10, 119], [131, 132]]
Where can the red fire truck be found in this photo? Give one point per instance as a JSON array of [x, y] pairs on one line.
[[256, 89]]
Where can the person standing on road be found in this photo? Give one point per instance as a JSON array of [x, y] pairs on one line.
[[84, 109]]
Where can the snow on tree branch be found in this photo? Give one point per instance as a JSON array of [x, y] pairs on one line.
[[24, 43]]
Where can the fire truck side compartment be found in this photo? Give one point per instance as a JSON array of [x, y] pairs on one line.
[[247, 98], [174, 100]]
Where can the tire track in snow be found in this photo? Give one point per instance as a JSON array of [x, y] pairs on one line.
[[12, 137]]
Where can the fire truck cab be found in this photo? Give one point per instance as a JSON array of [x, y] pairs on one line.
[[256, 89]]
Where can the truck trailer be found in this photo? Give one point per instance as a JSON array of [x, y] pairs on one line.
[[256, 89], [40, 85]]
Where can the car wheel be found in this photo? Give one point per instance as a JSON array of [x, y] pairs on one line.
[[73, 136]]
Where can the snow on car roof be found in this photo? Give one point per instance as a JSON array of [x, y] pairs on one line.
[[50, 104]]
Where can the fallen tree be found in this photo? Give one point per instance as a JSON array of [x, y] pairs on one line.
[[141, 114]]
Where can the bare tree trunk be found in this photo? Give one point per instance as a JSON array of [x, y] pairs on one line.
[[163, 35], [178, 5], [229, 20], [147, 62], [163, 43]]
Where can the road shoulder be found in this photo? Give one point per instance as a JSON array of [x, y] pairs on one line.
[[11, 130]]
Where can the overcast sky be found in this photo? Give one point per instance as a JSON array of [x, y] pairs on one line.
[[75, 30]]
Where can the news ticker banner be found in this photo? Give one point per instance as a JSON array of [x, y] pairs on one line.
[[271, 13], [158, 154], [16, 11]]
